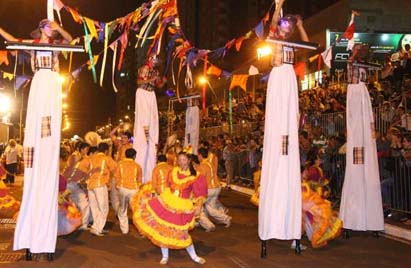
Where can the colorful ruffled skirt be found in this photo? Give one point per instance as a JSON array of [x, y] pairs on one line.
[[320, 222], [164, 219], [69, 217]]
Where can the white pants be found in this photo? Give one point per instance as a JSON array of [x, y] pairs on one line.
[[125, 196], [79, 197], [114, 196], [98, 198], [211, 207]]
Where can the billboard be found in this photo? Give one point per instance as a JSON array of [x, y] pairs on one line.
[[380, 43]]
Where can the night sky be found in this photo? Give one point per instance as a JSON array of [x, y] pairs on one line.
[[89, 104]]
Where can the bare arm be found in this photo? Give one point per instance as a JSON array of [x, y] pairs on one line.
[[276, 16], [66, 36], [7, 35], [301, 30]]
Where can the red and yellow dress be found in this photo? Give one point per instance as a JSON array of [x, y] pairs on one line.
[[9, 206], [167, 218], [320, 222], [69, 217]]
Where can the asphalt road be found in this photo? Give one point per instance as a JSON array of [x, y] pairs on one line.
[[236, 246]]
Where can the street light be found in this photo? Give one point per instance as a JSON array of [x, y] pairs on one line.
[[5, 103], [263, 51]]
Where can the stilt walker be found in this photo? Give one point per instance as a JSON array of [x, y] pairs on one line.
[[279, 214], [36, 229], [192, 125], [146, 125], [361, 202]]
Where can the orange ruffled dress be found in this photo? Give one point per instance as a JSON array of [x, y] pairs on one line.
[[9, 206], [320, 222], [69, 217], [167, 218]]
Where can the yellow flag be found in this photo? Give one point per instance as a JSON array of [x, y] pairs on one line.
[[92, 27], [239, 80], [9, 76]]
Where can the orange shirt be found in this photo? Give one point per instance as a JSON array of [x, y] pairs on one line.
[[121, 153], [213, 160], [159, 176], [99, 167], [128, 174], [206, 169]]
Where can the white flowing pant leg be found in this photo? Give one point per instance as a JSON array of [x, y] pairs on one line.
[[125, 196], [99, 207], [204, 221], [114, 196], [80, 199], [212, 208]]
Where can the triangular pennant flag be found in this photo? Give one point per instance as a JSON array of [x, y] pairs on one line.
[[253, 70], [214, 70], [238, 43], [327, 56], [76, 73], [299, 69], [239, 80], [92, 27], [259, 30], [58, 5], [9, 76], [75, 15], [4, 57]]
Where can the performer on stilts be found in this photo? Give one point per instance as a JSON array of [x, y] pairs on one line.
[[279, 214], [192, 125], [36, 228], [361, 202], [146, 125]]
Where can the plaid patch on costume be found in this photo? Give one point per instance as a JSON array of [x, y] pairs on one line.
[[284, 145], [28, 155], [358, 155], [46, 126]]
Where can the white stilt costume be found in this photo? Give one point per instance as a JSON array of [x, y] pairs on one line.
[[192, 125], [279, 214], [146, 125], [361, 204], [36, 227]]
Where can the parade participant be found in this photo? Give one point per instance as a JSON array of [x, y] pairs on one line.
[[38, 234], [160, 174], [146, 116], [11, 157], [9, 206], [120, 148], [361, 204], [128, 177], [320, 222], [280, 191], [210, 207], [166, 219], [99, 168], [192, 125], [75, 179], [69, 217]]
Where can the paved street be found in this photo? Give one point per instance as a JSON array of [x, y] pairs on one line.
[[237, 246]]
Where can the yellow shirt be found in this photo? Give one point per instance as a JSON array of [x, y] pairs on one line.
[[159, 176], [99, 167], [206, 169], [128, 174]]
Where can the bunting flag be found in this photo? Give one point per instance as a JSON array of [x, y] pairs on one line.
[[239, 80], [4, 59], [22, 81], [349, 32], [214, 70], [92, 28], [103, 64], [299, 69], [239, 42], [113, 67], [88, 48], [327, 56], [9, 76]]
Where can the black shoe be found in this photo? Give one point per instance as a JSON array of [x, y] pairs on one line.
[[50, 256], [29, 255], [346, 234], [297, 247], [263, 249], [376, 234]]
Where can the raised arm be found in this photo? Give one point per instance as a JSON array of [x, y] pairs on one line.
[[276, 16], [301, 30], [56, 27], [7, 36]]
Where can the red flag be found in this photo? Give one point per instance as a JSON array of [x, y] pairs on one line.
[[3, 57], [214, 70], [299, 69]]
